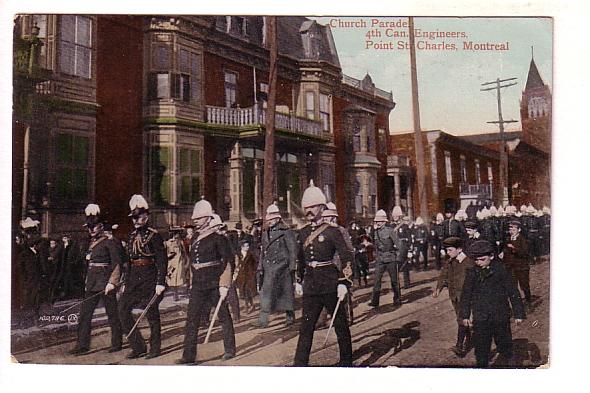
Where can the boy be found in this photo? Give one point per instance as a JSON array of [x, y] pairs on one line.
[[486, 293]]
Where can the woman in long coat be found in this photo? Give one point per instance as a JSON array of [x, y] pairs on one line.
[[178, 262]]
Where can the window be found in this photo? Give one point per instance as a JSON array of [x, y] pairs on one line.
[[463, 170], [190, 172], [41, 22], [72, 166], [372, 194], [310, 105], [325, 111], [76, 45], [328, 180], [356, 135], [448, 168], [230, 80], [477, 172], [358, 195], [161, 60], [238, 26], [382, 141], [164, 85], [490, 173], [181, 87], [160, 176]]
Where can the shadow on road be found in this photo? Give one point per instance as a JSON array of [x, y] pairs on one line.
[[397, 338]]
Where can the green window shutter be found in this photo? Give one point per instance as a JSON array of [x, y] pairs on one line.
[[184, 160], [195, 189]]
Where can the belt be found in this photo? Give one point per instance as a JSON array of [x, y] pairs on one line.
[[198, 266], [314, 264], [404, 239], [142, 262], [97, 264]]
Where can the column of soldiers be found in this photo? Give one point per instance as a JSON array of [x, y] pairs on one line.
[[318, 262]]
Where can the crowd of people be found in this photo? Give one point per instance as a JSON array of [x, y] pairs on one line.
[[222, 271]]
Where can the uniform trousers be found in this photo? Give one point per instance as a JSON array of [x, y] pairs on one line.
[[436, 247], [85, 320], [484, 332], [421, 249], [312, 307], [391, 269], [200, 302]]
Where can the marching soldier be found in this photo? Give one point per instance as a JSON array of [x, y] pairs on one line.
[[420, 237], [277, 266], [453, 276], [404, 234], [531, 228], [487, 228], [452, 227], [212, 265], [386, 244], [361, 264], [324, 284], [330, 216], [545, 231], [104, 259], [146, 280]]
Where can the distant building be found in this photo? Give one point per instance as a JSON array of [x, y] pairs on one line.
[[458, 172]]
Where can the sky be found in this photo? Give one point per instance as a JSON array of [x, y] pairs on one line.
[[449, 81]]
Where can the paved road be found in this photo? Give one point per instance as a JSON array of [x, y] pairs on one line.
[[418, 334]]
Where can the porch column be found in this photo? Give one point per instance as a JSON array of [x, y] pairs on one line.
[[236, 184], [258, 209], [409, 196]]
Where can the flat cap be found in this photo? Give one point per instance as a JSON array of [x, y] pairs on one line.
[[470, 225], [453, 241]]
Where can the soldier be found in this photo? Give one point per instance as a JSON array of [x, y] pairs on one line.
[[30, 271], [330, 216], [323, 283], [212, 265], [531, 228], [436, 238], [420, 237], [387, 245], [104, 259], [178, 264], [404, 234], [146, 278], [545, 231], [355, 232], [516, 259], [277, 266], [487, 291], [452, 227], [453, 276]]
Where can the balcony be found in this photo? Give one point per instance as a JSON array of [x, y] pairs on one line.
[[256, 116], [481, 190], [356, 83]]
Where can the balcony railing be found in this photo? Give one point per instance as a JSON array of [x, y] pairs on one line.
[[474, 189], [394, 161], [348, 80], [255, 115]]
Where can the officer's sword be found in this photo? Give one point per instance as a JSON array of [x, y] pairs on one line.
[[213, 319], [332, 321], [145, 310]]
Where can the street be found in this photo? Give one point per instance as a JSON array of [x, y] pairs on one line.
[[417, 334]]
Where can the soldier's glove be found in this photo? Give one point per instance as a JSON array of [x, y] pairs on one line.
[[342, 291], [108, 288], [223, 292], [298, 289], [410, 255], [160, 289]]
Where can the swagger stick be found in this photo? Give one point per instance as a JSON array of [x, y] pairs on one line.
[[332, 321], [213, 319], [145, 310]]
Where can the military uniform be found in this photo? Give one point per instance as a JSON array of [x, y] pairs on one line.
[[321, 278], [404, 234], [147, 267], [453, 228], [387, 243], [531, 228], [436, 238], [545, 233], [212, 265], [104, 262], [278, 264], [488, 232], [420, 240]]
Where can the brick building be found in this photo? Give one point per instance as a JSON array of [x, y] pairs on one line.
[[529, 150], [458, 172], [173, 107]]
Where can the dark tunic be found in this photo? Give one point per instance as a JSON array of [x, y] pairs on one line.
[[452, 227]]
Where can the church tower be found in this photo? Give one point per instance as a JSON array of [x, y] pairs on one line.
[[535, 111]]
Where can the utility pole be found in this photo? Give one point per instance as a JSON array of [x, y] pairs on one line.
[[503, 151], [268, 192], [418, 146]]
